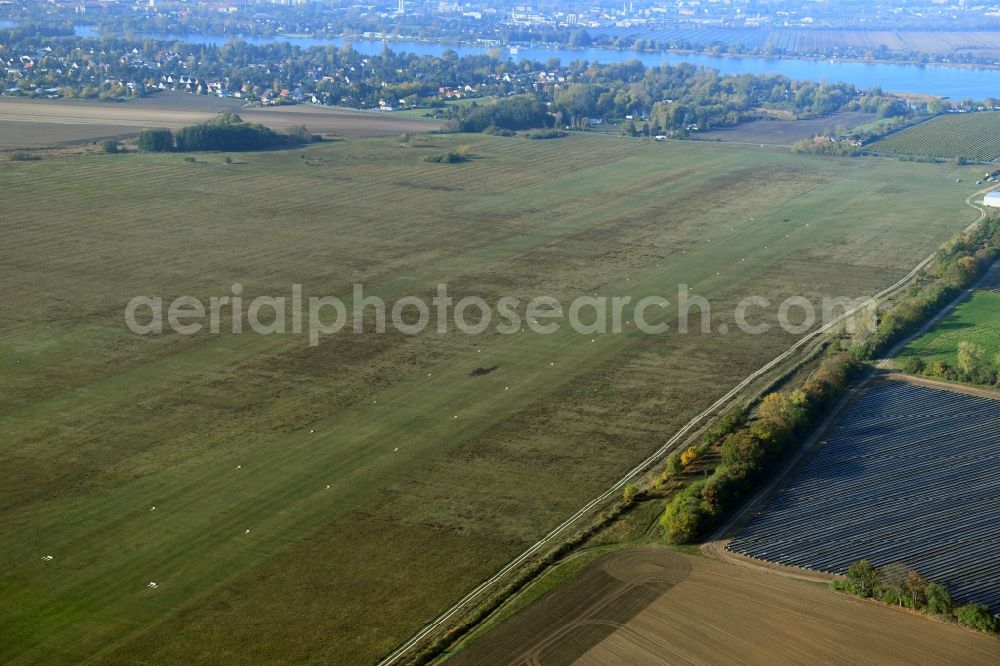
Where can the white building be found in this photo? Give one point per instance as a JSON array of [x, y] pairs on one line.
[[992, 199]]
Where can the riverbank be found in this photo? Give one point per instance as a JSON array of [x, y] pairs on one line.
[[925, 80], [485, 44]]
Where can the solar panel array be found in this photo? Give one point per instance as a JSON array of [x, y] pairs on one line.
[[909, 474]]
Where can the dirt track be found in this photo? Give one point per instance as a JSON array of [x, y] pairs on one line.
[[29, 123], [657, 606]]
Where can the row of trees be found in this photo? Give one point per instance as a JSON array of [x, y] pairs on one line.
[[826, 145], [518, 112], [750, 449], [895, 584], [956, 265], [972, 364], [676, 99], [228, 132]]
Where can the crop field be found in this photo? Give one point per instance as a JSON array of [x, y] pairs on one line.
[[910, 474], [977, 321], [656, 606], [30, 123], [975, 136], [324, 502], [786, 132]]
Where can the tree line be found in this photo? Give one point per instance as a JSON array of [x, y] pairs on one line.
[[972, 364], [895, 584], [228, 132], [957, 265], [750, 448], [681, 99]]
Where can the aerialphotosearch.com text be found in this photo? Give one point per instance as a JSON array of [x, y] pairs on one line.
[[317, 316]]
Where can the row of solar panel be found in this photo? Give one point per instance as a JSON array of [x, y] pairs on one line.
[[909, 474]]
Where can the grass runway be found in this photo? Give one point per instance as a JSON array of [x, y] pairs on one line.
[[98, 425]]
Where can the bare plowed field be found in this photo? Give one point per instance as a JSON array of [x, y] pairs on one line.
[[30, 123], [344, 122], [656, 606]]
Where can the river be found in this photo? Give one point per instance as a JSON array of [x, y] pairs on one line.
[[953, 82]]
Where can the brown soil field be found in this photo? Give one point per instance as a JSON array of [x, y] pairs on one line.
[[784, 132], [652, 605], [28, 123], [329, 120]]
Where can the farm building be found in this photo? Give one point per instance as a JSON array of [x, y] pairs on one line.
[[992, 199]]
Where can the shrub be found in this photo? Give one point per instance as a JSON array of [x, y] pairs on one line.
[[493, 130], [913, 365], [936, 369], [743, 449], [938, 600], [448, 158], [110, 147], [722, 491], [863, 579], [674, 465], [155, 140], [547, 134], [976, 616], [689, 455], [18, 156], [628, 495], [916, 590], [970, 358], [830, 379], [682, 527], [772, 436], [724, 426], [298, 134], [783, 409], [684, 519]]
